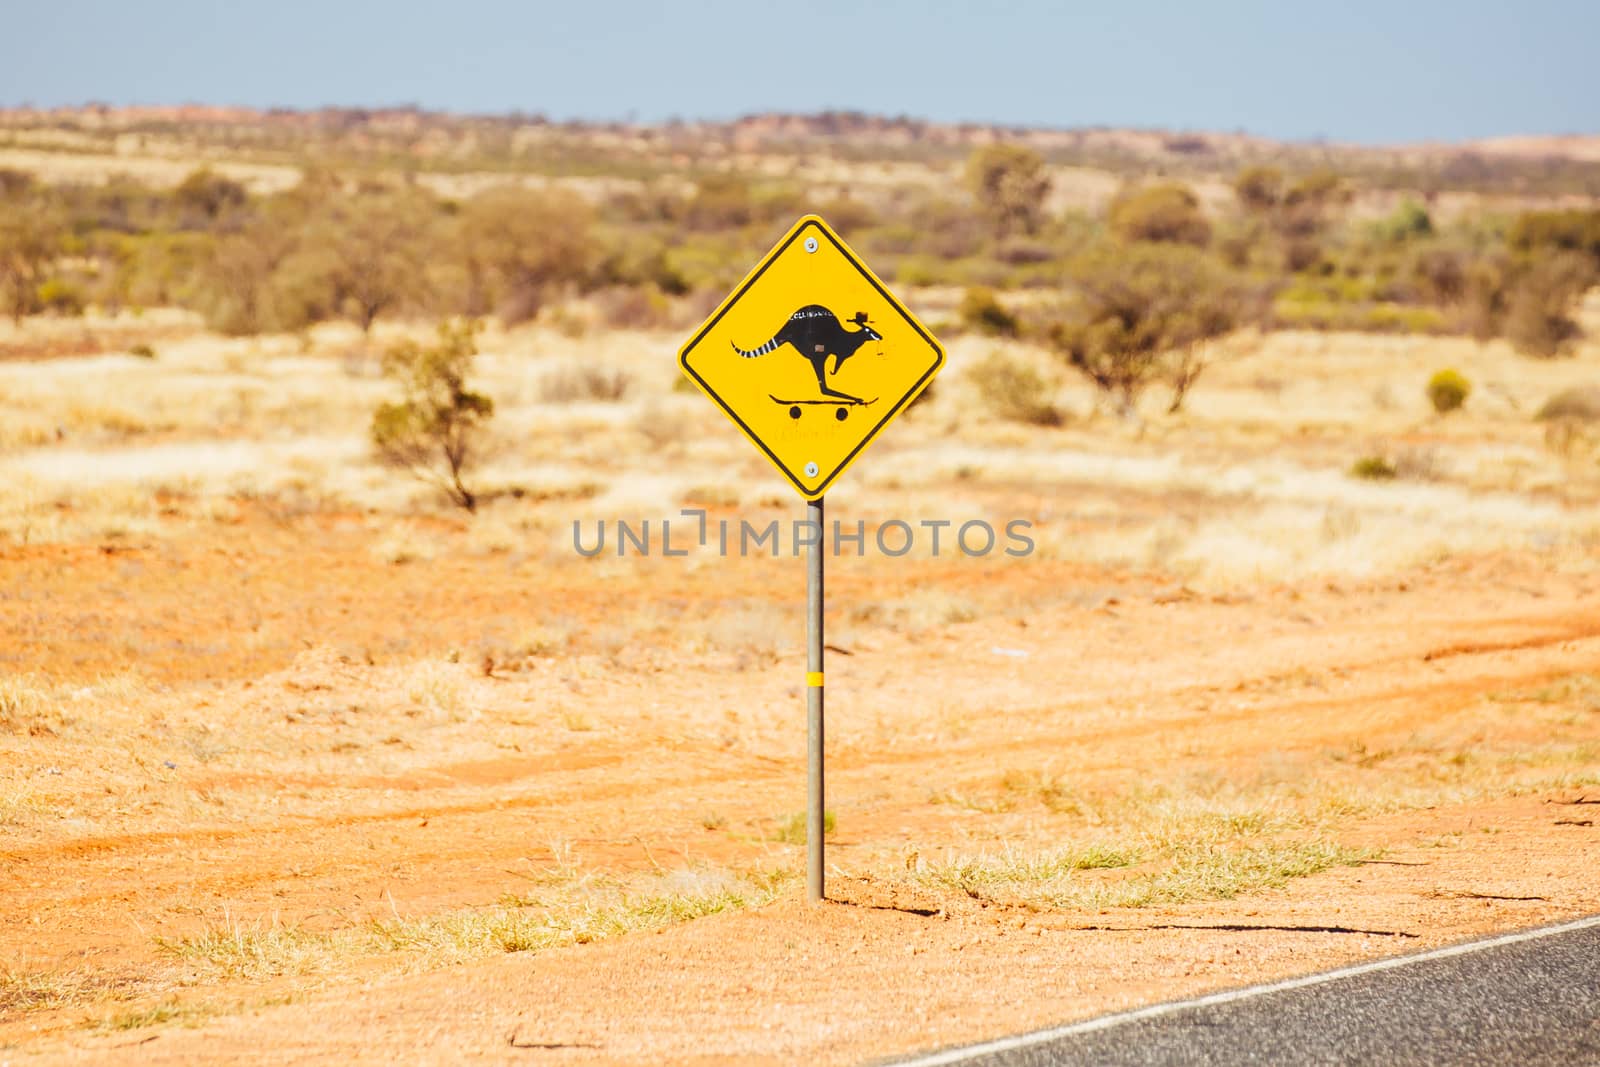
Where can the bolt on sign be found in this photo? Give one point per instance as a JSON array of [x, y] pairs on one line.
[[812, 356]]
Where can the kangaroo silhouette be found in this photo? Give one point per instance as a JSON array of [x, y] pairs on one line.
[[816, 334]]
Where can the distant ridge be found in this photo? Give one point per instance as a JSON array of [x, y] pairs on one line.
[[755, 131]]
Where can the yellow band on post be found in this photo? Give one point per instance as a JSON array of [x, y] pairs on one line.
[[814, 679]]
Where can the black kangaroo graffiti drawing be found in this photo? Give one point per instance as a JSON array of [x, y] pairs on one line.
[[816, 334]]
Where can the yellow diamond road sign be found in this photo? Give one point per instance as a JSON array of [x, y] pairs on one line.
[[811, 356]]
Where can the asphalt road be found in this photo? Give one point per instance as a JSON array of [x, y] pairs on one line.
[[1530, 998]]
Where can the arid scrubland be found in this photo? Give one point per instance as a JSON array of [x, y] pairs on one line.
[[278, 722]]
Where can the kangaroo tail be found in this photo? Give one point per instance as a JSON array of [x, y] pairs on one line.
[[754, 352]]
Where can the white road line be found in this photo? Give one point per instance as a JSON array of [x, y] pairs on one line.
[[1107, 1022]]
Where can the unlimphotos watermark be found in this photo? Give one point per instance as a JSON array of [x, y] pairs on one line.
[[891, 537]]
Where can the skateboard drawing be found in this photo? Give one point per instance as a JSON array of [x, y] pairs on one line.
[[816, 333], [843, 406]]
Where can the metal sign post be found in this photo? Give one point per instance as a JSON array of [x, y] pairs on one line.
[[816, 794]]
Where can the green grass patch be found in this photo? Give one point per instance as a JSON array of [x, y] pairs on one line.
[[792, 830]]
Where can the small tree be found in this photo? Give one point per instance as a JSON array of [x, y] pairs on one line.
[[1145, 313], [206, 198], [1164, 212], [30, 241], [1408, 222], [982, 311], [1015, 391], [1540, 301], [433, 430], [1308, 202], [237, 292], [518, 246], [1259, 189], [373, 246], [1010, 184], [1558, 231]]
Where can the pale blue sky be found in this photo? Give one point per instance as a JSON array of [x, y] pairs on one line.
[[1348, 70]]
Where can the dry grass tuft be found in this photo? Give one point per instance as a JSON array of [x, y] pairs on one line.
[[29, 707], [1189, 873], [1211, 838], [1048, 789], [439, 690], [233, 949], [23, 990], [230, 949], [585, 382], [1014, 391], [792, 829], [156, 1014]]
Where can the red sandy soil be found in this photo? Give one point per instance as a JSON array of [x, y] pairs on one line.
[[1126, 677]]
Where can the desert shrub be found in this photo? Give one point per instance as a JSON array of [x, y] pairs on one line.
[[641, 307], [634, 262], [204, 197], [923, 397], [586, 381], [848, 215], [891, 239], [1484, 296], [663, 426], [155, 270], [1022, 251], [517, 247], [1146, 312], [1448, 390], [1259, 188], [982, 312], [1580, 402], [720, 202], [31, 237], [1238, 242], [239, 291], [1363, 289], [1167, 211], [1307, 204], [60, 297], [1572, 438], [433, 430], [1407, 222], [1373, 469], [371, 252], [704, 265], [724, 201], [1301, 254], [1322, 187], [948, 231], [306, 288], [1394, 318], [14, 183], [1558, 231], [1538, 315], [1439, 275], [1295, 215], [1528, 298], [1010, 186], [1014, 391]]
